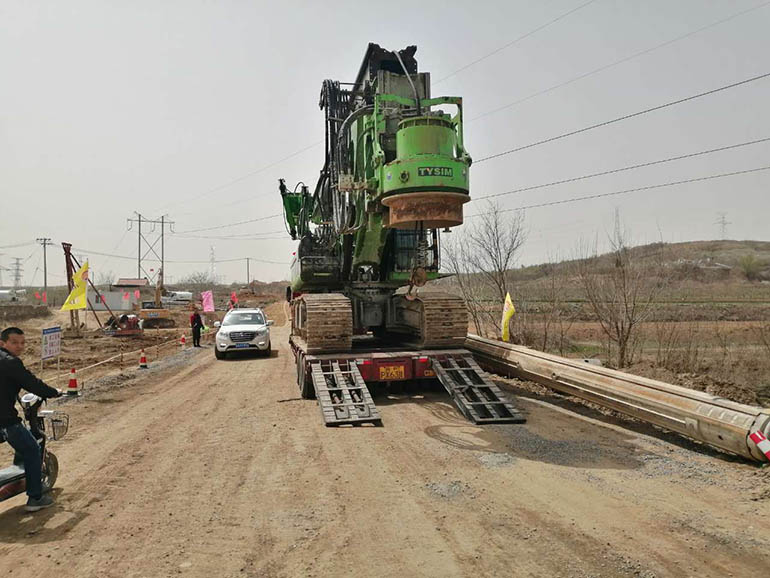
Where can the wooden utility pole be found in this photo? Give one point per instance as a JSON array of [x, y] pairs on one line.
[[74, 316]]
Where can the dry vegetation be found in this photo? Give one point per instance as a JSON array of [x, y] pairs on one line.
[[696, 314]]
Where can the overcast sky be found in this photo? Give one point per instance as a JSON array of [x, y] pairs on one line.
[[181, 107]]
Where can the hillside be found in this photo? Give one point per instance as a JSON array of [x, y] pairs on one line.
[[695, 255]]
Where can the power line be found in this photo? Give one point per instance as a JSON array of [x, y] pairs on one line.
[[245, 176], [516, 41], [236, 238], [595, 71], [625, 117], [623, 192], [617, 62], [82, 250], [227, 225], [620, 170], [230, 224], [18, 245]]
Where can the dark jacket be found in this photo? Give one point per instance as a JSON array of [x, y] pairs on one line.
[[195, 321], [14, 377]]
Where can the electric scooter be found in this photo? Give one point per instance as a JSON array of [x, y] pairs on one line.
[[12, 480]]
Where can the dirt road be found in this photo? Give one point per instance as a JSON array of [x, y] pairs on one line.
[[219, 469]]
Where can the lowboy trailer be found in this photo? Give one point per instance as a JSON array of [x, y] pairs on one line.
[[339, 381]]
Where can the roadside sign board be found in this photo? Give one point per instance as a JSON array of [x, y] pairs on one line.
[[51, 343]]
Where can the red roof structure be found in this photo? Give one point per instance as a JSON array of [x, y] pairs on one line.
[[131, 283]]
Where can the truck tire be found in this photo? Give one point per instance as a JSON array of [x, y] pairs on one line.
[[306, 389]]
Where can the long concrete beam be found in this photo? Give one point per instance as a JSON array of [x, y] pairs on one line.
[[712, 420]]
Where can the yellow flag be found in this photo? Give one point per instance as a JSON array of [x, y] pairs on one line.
[[77, 297], [508, 311]]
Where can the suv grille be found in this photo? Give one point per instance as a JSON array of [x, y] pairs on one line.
[[237, 336]]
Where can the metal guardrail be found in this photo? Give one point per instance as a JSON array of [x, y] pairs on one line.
[[715, 421]]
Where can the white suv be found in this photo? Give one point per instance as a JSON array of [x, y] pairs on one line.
[[243, 329]]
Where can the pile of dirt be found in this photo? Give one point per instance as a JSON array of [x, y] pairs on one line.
[[700, 382], [717, 387], [21, 312]]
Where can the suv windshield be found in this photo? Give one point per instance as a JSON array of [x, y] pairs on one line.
[[244, 318]]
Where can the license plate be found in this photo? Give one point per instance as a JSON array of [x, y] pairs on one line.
[[388, 372], [241, 345]]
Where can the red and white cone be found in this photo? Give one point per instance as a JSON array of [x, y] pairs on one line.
[[143, 361], [183, 341], [72, 387], [762, 442]]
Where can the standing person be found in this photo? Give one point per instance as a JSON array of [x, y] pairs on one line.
[[13, 377], [197, 324]]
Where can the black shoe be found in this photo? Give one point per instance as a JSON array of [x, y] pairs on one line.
[[44, 501]]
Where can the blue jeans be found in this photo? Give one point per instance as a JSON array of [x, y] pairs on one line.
[[22, 440]]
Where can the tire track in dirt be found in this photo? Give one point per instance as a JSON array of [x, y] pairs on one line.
[[220, 469]]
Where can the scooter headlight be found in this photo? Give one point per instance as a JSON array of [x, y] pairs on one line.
[[28, 399]]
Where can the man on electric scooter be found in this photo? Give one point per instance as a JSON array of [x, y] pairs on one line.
[[13, 377]]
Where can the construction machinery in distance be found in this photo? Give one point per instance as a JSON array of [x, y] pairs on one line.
[[396, 172], [152, 313]]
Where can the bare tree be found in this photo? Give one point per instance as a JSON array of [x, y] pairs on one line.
[[494, 241], [621, 293], [481, 257], [554, 314], [470, 286], [197, 282], [105, 278]]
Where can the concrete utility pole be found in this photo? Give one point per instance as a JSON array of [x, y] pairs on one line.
[[248, 277], [213, 265], [45, 241], [140, 220]]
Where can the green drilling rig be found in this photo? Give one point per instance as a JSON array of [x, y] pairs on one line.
[[396, 173]]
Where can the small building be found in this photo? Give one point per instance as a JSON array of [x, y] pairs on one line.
[[128, 283]]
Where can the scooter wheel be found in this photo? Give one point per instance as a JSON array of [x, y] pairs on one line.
[[50, 469]]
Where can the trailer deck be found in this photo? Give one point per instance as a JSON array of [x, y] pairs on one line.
[[339, 382]]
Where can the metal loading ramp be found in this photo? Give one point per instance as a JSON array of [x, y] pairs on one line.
[[342, 394], [474, 394]]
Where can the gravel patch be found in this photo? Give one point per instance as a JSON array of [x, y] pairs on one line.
[[448, 490], [494, 460]]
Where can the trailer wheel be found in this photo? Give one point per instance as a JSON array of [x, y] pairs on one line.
[[306, 389]]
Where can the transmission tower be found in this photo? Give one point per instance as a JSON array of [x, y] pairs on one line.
[[150, 243], [213, 265], [722, 222], [17, 271]]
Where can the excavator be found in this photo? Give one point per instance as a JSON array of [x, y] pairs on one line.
[[396, 173], [152, 313]]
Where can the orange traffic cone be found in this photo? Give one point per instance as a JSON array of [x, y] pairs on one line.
[[143, 361], [72, 388], [183, 341]]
